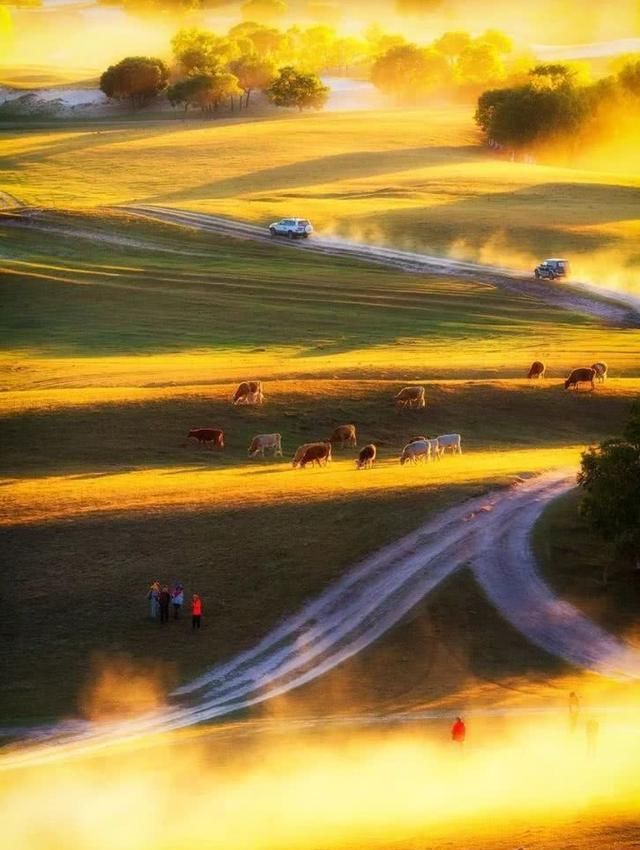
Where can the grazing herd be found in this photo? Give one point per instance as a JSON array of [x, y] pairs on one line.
[[344, 436], [583, 375]]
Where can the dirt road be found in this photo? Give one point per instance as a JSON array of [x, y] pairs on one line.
[[611, 307], [490, 533]]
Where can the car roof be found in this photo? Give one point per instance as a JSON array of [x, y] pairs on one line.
[[555, 260]]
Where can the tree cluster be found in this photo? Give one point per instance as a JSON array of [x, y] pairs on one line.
[[553, 103], [610, 481], [455, 62], [213, 69]]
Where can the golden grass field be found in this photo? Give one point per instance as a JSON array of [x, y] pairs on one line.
[[421, 180], [120, 340], [120, 335]]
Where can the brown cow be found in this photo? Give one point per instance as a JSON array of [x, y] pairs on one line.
[[207, 436], [413, 397], [310, 453], [601, 370], [581, 376], [367, 457], [249, 392], [537, 370], [345, 435]]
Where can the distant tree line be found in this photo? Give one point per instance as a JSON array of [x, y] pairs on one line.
[[553, 102], [211, 72]]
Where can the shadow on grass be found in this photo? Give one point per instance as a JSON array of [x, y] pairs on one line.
[[79, 588], [325, 169]]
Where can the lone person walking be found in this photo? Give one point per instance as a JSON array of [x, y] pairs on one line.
[[574, 710], [458, 731], [164, 600], [196, 611]]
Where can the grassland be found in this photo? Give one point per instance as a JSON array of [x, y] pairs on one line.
[[585, 569], [120, 336], [421, 180]]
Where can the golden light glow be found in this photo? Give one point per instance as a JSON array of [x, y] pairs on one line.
[[519, 770]]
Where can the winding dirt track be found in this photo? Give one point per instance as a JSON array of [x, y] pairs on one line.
[[610, 307], [491, 533]]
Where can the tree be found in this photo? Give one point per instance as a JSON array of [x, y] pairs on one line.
[[185, 92], [266, 42], [293, 88], [206, 91], [610, 480], [136, 78], [548, 104], [451, 44], [479, 64], [252, 73], [200, 52], [629, 77], [347, 52], [409, 72], [497, 39], [552, 76], [263, 11], [314, 48]]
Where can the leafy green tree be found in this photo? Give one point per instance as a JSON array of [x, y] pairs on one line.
[[136, 78], [548, 105], [610, 480], [186, 93], [409, 72], [263, 11], [252, 73], [292, 88]]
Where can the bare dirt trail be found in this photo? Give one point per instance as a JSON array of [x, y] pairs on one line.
[[611, 307], [491, 533]]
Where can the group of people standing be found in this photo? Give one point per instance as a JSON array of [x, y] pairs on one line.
[[161, 599]]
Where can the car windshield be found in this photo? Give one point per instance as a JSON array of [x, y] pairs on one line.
[[303, 222]]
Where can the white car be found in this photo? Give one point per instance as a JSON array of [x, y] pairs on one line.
[[293, 228]]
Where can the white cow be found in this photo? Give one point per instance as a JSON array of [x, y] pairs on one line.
[[266, 441], [434, 449], [415, 451], [253, 398], [449, 441]]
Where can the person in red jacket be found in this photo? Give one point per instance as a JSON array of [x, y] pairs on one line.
[[458, 731], [196, 611]]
